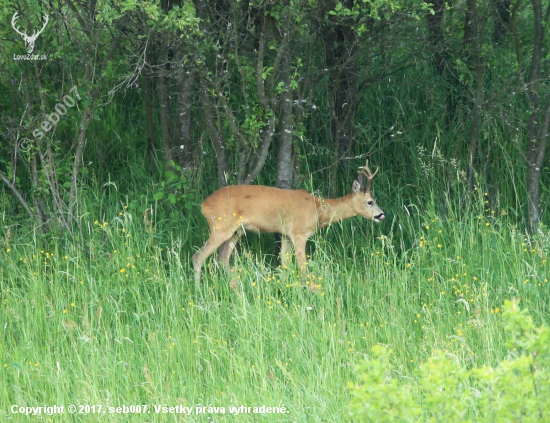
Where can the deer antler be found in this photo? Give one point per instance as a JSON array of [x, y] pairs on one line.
[[29, 40], [13, 21], [46, 20], [366, 172]]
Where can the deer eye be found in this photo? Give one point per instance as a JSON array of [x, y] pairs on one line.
[[369, 203]]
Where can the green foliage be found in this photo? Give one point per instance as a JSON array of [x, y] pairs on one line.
[[181, 17], [378, 396], [174, 192], [445, 389], [363, 11]]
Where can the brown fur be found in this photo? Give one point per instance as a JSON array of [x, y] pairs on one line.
[[295, 214]]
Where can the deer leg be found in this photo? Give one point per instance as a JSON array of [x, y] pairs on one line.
[[227, 249], [300, 250], [211, 245], [285, 244]]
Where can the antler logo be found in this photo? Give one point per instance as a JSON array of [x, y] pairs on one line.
[[29, 40]]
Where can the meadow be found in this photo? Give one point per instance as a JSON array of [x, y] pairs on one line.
[[117, 320], [439, 313]]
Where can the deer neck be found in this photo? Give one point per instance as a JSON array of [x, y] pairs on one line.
[[333, 210]]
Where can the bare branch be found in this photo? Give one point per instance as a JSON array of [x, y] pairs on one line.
[[18, 194]]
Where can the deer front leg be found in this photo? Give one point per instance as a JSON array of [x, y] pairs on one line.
[[300, 251], [284, 254]]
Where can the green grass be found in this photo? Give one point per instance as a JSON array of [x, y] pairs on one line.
[[121, 321]]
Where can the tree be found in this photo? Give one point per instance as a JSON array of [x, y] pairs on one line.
[[91, 36], [535, 88]]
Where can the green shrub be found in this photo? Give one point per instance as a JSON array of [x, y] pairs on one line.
[[444, 390]]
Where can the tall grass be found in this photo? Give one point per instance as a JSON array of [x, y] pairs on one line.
[[116, 319]]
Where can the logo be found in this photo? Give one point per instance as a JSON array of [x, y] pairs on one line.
[[29, 39]]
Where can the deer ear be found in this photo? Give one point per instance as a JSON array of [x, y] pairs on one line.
[[356, 187]]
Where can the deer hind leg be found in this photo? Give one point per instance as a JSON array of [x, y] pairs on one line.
[[216, 239], [227, 249]]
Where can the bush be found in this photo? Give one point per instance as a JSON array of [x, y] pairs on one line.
[[444, 390]]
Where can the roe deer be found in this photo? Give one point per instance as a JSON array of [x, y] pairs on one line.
[[295, 214]]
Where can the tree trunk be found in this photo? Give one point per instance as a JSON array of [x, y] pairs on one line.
[[87, 116], [185, 101], [538, 132], [471, 47], [476, 118], [146, 82], [284, 153], [476, 123], [436, 35], [333, 171], [215, 136], [37, 201], [533, 192], [164, 102], [502, 19], [340, 50]]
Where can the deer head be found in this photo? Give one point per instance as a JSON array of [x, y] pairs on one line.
[[29, 39], [364, 203]]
